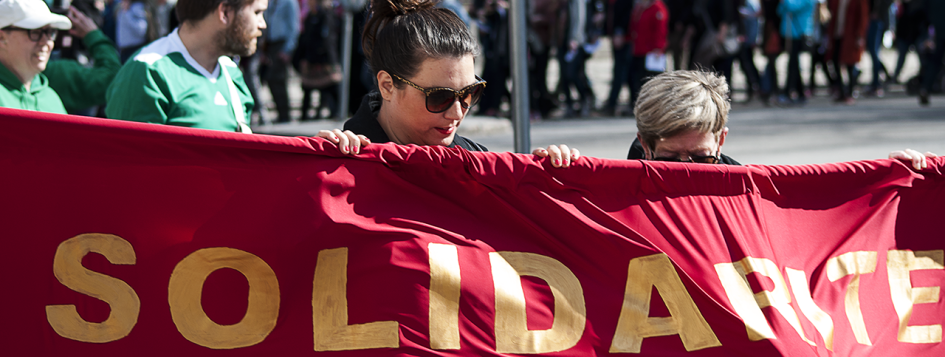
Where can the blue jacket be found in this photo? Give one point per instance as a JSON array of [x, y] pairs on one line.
[[797, 18], [282, 23]]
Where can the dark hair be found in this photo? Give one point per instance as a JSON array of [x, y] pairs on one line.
[[196, 10], [401, 34]]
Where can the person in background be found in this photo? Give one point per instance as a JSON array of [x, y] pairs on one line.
[[131, 27], [28, 32], [187, 77], [571, 54], [493, 20], [317, 58], [818, 51], [847, 32], [542, 17], [78, 86], [281, 37], [681, 30], [797, 24], [935, 44], [648, 30], [619, 15], [878, 24], [772, 46], [682, 117], [719, 15], [750, 12], [910, 23], [422, 58]]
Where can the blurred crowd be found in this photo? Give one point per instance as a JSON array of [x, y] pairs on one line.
[[646, 36]]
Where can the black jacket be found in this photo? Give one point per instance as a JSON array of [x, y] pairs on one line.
[[637, 153], [364, 122]]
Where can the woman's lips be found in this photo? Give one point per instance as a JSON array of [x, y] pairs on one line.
[[447, 130]]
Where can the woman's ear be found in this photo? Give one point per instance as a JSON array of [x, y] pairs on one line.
[[722, 136], [646, 150], [385, 84]]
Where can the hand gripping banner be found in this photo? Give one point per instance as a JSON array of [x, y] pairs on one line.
[[136, 239]]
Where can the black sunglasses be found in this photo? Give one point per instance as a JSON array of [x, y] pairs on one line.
[[440, 99], [692, 158], [37, 34]]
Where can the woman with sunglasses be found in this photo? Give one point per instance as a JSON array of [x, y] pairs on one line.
[[681, 117], [28, 31], [422, 57]]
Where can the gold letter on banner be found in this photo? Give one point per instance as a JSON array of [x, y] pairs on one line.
[[511, 325], [777, 298], [814, 313], [444, 297], [854, 263], [120, 297], [186, 288], [330, 310], [898, 264], [685, 319]]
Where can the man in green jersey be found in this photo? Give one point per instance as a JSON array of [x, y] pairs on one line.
[[27, 33], [186, 78]]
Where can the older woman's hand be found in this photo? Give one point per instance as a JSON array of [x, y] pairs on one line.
[[347, 141], [560, 155], [911, 156]]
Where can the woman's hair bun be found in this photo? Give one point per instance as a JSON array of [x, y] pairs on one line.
[[400, 7]]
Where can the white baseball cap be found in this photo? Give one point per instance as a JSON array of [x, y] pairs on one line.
[[30, 14]]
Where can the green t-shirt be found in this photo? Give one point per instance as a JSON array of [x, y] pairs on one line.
[[163, 84], [40, 97]]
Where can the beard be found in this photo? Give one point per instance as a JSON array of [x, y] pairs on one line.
[[238, 39]]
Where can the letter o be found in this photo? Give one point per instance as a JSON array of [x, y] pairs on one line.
[[186, 287]]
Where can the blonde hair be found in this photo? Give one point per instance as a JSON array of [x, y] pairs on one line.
[[673, 102]]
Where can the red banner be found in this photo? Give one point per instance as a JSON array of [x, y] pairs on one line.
[[137, 239]]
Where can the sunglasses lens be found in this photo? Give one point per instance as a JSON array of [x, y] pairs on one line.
[[474, 94], [440, 100]]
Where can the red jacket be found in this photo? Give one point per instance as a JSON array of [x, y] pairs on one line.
[[854, 30], [649, 27]]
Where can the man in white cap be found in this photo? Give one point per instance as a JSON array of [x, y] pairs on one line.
[[27, 32], [186, 78]]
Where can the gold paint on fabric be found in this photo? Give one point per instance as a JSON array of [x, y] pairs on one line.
[[186, 288], [778, 297], [735, 283], [444, 297], [635, 322], [511, 325], [820, 319], [899, 263], [330, 310], [853, 263], [120, 297]]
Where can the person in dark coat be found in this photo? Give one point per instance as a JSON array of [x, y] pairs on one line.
[[316, 58], [422, 58], [847, 31], [935, 15]]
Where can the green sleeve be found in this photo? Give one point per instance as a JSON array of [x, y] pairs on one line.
[[81, 87], [138, 93]]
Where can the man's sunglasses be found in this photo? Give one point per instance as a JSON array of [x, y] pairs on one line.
[[36, 35], [440, 99], [692, 158]]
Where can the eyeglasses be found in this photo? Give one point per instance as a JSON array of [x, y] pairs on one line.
[[36, 35], [440, 99], [692, 158]]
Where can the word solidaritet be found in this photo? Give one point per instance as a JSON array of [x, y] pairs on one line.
[[332, 332]]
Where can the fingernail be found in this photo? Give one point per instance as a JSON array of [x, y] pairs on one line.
[[557, 162], [346, 149]]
